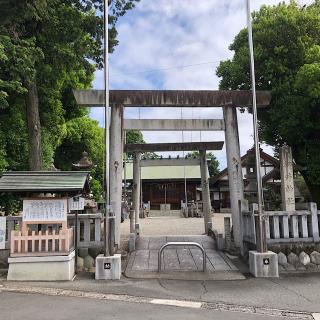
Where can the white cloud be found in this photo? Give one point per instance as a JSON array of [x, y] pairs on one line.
[[168, 33]]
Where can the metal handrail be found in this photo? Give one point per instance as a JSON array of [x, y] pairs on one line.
[[195, 244]]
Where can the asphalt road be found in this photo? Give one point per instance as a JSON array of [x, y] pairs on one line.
[[17, 306]]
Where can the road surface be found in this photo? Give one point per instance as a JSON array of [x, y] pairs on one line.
[[17, 306]]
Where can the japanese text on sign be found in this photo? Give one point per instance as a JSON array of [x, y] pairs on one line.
[[45, 210]]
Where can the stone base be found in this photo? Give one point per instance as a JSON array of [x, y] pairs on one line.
[[49, 268], [263, 265], [108, 268]]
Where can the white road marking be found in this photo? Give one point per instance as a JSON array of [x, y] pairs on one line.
[[177, 303], [316, 316]]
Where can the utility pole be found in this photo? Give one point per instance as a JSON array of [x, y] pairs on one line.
[[261, 238]]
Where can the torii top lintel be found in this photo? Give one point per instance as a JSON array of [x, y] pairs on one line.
[[172, 98]]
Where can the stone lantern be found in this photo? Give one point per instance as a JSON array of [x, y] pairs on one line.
[[84, 163]]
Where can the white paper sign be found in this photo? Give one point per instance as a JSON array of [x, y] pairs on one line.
[[76, 203], [45, 210], [2, 233]]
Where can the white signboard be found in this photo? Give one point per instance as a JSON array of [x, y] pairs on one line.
[[45, 210], [2, 233], [76, 203]]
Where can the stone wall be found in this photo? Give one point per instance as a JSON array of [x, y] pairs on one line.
[[86, 259], [303, 258]]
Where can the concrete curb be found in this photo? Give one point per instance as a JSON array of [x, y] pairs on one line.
[[217, 306]]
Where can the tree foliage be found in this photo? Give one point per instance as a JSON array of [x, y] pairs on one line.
[[47, 48], [58, 45], [213, 163], [287, 62]]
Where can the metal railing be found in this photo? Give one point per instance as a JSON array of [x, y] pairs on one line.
[[182, 244]]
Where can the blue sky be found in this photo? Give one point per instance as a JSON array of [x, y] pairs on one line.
[[177, 44]]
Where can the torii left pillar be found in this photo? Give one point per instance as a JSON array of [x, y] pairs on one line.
[[115, 176]]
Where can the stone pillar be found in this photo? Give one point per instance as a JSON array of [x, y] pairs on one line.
[[287, 184], [234, 170], [136, 189], [205, 190], [116, 152]]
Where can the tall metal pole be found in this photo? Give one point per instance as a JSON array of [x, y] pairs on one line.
[[106, 122], [261, 241], [125, 171], [184, 174]]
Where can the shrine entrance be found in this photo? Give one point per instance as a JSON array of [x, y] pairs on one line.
[[180, 254], [138, 149], [120, 99]]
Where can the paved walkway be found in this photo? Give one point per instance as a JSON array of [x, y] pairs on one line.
[[177, 261]]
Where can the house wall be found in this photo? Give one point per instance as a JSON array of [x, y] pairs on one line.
[[220, 196]]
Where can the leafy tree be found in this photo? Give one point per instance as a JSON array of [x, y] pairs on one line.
[[83, 134], [136, 136], [213, 163], [46, 49], [287, 60]]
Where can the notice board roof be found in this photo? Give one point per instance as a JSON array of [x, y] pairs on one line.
[[44, 181]]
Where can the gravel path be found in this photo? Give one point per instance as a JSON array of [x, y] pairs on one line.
[[174, 225]]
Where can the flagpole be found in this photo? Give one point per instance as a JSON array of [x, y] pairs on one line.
[[261, 239], [106, 123]]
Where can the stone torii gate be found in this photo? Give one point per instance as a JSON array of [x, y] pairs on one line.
[[228, 100], [202, 147]]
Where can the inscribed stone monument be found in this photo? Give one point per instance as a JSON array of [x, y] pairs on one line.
[[287, 184]]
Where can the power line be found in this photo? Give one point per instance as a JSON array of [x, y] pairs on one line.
[[169, 68]]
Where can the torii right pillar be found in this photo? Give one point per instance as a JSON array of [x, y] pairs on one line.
[[136, 189], [234, 170], [207, 212]]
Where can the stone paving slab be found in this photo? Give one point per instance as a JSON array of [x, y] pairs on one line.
[[178, 260]]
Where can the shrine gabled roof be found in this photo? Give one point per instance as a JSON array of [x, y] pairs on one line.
[[263, 155], [44, 181]]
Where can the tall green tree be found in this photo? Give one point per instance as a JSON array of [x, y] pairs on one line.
[[213, 163], [85, 134], [48, 47], [287, 60]]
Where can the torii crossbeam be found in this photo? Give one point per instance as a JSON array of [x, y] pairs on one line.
[[172, 98]]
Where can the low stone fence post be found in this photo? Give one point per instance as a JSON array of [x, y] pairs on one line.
[[312, 206], [227, 233]]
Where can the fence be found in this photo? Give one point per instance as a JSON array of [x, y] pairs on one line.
[[41, 243], [282, 227], [89, 230]]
